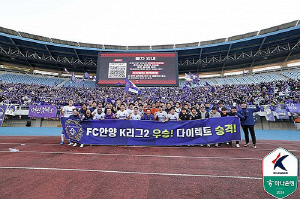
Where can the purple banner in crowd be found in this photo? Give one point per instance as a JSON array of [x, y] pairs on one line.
[[2, 113], [42, 111], [293, 108]]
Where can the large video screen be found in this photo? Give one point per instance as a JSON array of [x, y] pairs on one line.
[[143, 69]]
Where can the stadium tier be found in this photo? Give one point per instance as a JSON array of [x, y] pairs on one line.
[[237, 80], [28, 79], [81, 83], [295, 75]]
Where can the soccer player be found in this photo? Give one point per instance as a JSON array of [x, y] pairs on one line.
[[110, 106], [82, 110], [66, 111], [224, 113], [214, 113], [207, 106], [109, 114], [99, 115], [161, 115], [203, 113], [172, 116], [194, 114], [177, 107], [141, 110], [135, 115], [122, 113], [183, 115], [168, 109], [186, 106], [90, 105], [130, 109], [233, 112], [94, 106], [153, 109], [148, 115], [88, 115], [248, 123], [220, 106], [100, 105]]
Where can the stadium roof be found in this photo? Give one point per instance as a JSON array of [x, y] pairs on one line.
[[271, 45]]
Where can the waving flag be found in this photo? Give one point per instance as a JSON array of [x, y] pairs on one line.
[[66, 70], [196, 79], [86, 75], [73, 78], [188, 77], [206, 84], [131, 87]]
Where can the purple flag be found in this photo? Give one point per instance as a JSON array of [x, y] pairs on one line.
[[86, 75]]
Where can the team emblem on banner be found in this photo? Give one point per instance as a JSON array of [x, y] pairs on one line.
[[280, 173], [74, 129]]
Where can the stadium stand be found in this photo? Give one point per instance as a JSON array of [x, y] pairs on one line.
[[28, 79], [295, 75], [233, 80], [84, 83]]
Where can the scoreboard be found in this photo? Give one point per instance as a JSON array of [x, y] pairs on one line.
[[143, 69]]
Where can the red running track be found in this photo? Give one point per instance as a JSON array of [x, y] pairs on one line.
[[45, 169]]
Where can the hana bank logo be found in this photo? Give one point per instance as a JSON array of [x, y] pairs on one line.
[[278, 162]]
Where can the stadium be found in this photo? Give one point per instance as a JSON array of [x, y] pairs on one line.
[[68, 111]]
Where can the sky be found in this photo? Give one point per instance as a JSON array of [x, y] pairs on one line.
[[139, 22]]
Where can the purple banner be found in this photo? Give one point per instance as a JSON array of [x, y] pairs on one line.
[[293, 108], [133, 132], [42, 111]]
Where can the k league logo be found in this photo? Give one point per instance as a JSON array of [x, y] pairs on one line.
[[280, 173], [278, 162]]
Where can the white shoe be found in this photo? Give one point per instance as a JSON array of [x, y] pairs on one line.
[[75, 144], [216, 145], [201, 144], [237, 146], [208, 145], [81, 145], [254, 146], [246, 145], [71, 143]]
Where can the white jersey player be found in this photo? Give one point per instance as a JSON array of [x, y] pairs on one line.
[[66, 111], [161, 115], [135, 115], [99, 115], [173, 116], [122, 113]]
